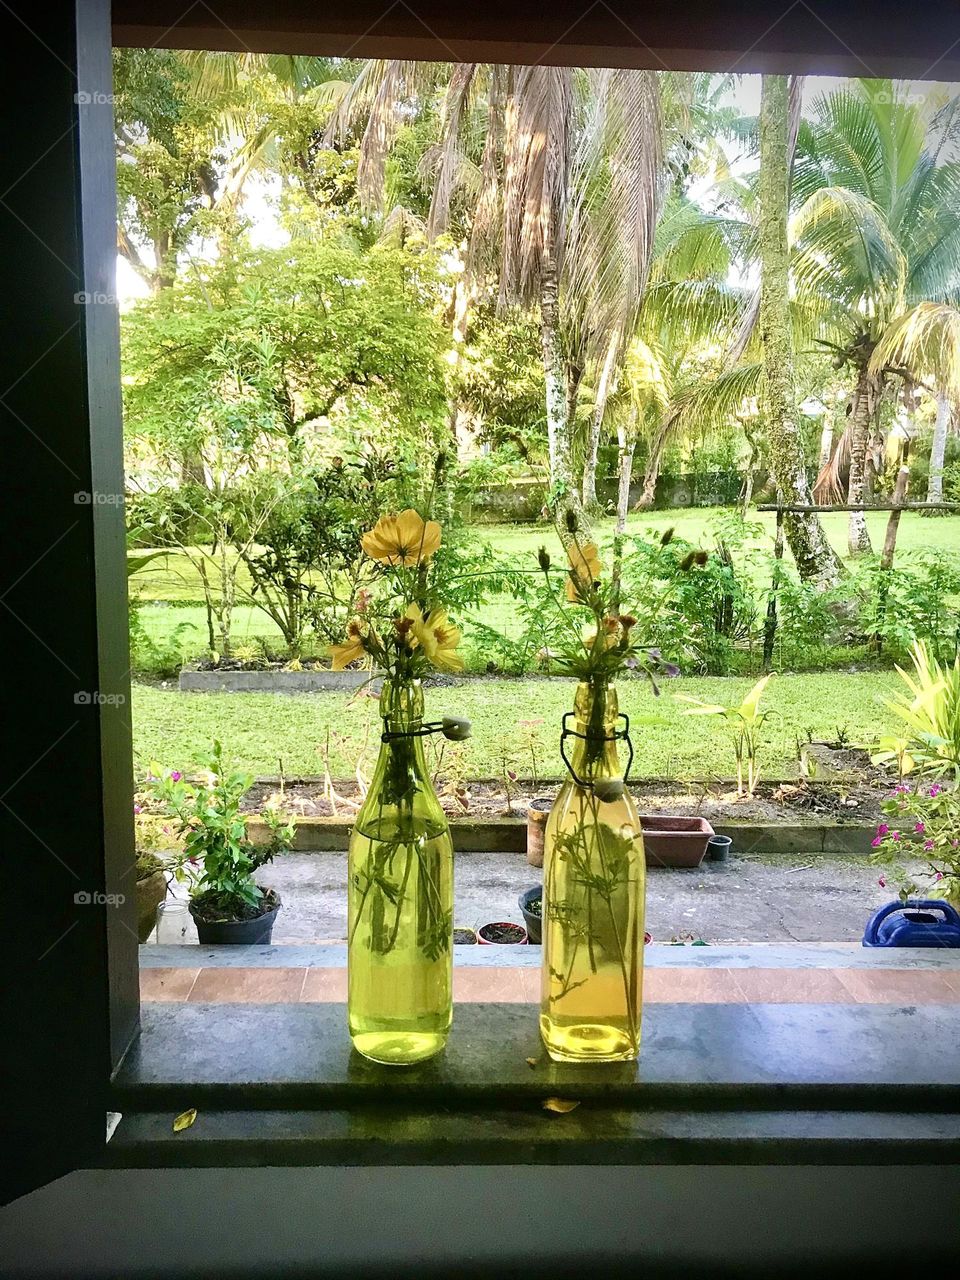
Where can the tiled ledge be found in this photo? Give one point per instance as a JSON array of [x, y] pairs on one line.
[[521, 984], [807, 955]]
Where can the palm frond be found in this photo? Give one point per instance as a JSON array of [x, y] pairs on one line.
[[926, 344]]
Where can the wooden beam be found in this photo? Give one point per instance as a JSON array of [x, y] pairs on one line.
[[863, 506], [827, 37]]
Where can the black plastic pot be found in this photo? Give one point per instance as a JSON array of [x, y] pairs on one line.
[[237, 932], [533, 922], [718, 848]]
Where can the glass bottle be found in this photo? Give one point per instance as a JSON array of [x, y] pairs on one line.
[[593, 899], [400, 898]]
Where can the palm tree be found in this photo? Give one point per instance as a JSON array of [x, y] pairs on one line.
[[815, 558], [557, 177], [877, 257]]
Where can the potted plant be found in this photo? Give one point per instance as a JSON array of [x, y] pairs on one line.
[[151, 891], [219, 862], [531, 905], [502, 933], [921, 822]]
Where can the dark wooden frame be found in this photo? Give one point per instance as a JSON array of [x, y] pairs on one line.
[[71, 965]]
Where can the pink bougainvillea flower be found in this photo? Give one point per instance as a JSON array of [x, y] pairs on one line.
[[175, 775], [138, 808], [919, 828], [877, 841], [894, 835], [935, 791], [882, 882], [938, 876], [928, 845], [882, 829]]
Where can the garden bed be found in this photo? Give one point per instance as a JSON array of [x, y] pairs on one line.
[[782, 817]]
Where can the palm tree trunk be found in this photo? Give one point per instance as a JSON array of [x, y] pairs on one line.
[[858, 536], [651, 472], [815, 558], [826, 441], [626, 442], [564, 495], [604, 387], [938, 449]]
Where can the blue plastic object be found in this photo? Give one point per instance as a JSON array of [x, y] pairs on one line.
[[929, 922]]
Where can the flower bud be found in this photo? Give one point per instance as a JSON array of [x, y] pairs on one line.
[[667, 537], [701, 558], [455, 728], [608, 789], [570, 516], [543, 559]]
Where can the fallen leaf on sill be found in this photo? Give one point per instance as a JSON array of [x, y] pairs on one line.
[[184, 1120], [560, 1106]]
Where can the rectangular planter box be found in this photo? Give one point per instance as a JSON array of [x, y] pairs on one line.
[[674, 842]]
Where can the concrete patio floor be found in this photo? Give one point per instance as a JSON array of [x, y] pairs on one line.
[[773, 899]]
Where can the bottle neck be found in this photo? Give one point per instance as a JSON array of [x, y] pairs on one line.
[[401, 768], [596, 711]]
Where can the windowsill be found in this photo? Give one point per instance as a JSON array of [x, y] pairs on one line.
[[720, 1083]]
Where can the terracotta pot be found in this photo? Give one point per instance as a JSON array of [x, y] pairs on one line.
[[538, 811], [151, 891], [674, 842]]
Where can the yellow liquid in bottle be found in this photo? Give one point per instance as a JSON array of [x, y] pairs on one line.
[[400, 978], [593, 909], [400, 900]]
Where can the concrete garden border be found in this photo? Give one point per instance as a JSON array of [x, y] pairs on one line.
[[509, 835], [315, 680]]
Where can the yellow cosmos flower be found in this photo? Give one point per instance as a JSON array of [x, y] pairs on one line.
[[437, 637], [404, 539], [585, 568], [350, 650]]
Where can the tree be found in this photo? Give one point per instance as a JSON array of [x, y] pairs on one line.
[[250, 365], [557, 200], [877, 256], [938, 448], [814, 556]]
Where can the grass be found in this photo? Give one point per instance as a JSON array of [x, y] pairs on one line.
[[261, 730], [171, 592]]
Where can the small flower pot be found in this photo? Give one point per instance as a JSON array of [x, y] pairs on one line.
[[502, 933], [258, 930], [718, 848], [151, 891], [538, 811], [532, 919], [674, 842], [463, 937]]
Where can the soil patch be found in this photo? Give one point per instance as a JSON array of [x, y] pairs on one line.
[[847, 788]]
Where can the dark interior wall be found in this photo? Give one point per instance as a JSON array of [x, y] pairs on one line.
[[333, 1222]]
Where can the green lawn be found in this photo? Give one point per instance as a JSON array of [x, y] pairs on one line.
[[171, 594], [260, 730]]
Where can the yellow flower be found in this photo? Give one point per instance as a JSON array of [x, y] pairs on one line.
[[351, 650], [404, 539], [585, 568], [437, 637]]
